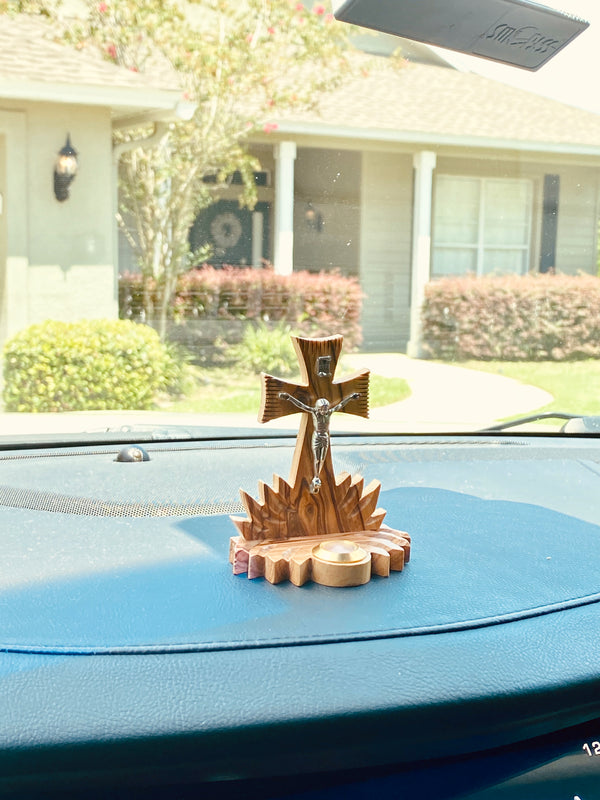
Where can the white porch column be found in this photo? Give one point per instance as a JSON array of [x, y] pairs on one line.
[[283, 256], [424, 164]]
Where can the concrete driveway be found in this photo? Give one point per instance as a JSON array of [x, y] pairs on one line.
[[444, 398]]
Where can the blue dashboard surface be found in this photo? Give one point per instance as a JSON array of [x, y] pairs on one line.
[[125, 638]]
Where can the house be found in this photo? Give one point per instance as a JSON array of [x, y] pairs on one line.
[[59, 258], [405, 174], [397, 176]]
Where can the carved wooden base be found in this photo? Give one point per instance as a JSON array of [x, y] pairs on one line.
[[338, 559]]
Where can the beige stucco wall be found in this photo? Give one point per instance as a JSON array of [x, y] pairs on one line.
[[59, 256]]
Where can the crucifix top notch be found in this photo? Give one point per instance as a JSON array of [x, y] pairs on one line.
[[318, 360]]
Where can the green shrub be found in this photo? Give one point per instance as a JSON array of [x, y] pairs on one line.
[[265, 349], [178, 379], [513, 318], [87, 365], [313, 304]]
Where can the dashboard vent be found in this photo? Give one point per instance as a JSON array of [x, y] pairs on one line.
[[91, 507]]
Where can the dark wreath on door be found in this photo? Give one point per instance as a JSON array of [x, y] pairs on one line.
[[228, 230]]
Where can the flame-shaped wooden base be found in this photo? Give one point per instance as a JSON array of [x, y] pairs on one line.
[[295, 560], [284, 511], [281, 534]]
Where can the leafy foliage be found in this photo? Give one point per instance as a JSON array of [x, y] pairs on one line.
[[177, 377], [87, 365], [45, 8], [265, 349], [313, 304], [528, 318]]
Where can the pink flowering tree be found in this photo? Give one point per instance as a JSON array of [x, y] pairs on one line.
[[240, 63]]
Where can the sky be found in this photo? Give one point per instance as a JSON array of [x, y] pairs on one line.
[[572, 76]]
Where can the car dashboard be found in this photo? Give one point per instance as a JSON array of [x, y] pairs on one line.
[[133, 662]]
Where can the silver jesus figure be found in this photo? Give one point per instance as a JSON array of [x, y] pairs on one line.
[[321, 413]]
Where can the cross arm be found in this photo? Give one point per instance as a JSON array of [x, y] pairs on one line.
[[357, 383], [272, 406]]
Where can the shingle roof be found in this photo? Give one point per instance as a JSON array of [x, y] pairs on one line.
[[438, 101], [381, 99], [29, 55]]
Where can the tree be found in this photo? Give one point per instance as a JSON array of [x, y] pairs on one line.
[[239, 61]]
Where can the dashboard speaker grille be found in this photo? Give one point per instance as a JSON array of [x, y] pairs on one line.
[[90, 507]]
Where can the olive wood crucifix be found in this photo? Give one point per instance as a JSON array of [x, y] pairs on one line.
[[312, 501], [312, 508]]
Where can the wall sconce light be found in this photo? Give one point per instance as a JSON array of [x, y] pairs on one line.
[[65, 170], [313, 218]]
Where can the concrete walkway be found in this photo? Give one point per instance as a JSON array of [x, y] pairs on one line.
[[444, 398]]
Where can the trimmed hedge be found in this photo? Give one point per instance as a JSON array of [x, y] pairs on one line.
[[512, 318], [87, 365], [313, 304]]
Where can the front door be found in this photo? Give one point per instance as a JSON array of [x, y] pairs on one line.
[[237, 236]]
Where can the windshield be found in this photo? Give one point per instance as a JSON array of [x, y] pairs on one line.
[[185, 186]]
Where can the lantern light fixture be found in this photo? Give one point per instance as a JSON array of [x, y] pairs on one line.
[[65, 170], [313, 218]]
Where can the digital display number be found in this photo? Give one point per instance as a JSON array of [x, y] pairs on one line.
[[592, 748]]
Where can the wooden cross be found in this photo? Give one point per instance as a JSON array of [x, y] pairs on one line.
[[318, 360], [295, 508]]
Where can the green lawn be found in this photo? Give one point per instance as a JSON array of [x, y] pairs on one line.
[[222, 390], [575, 385]]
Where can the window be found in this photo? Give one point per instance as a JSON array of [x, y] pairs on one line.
[[481, 225]]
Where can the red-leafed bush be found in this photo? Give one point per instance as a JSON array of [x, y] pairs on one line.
[[528, 318], [312, 304]]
